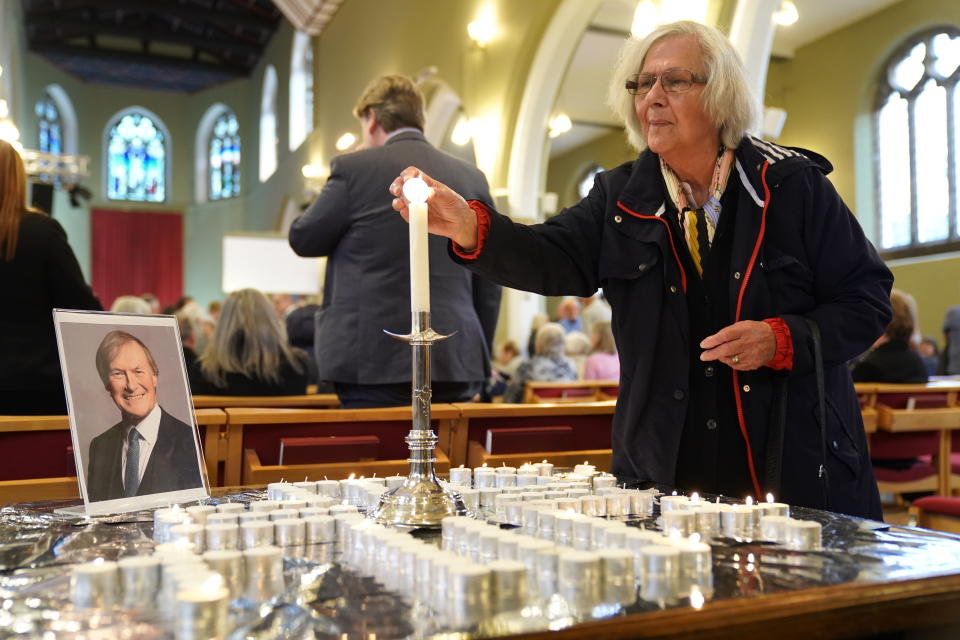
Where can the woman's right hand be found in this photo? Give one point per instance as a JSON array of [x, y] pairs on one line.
[[448, 214]]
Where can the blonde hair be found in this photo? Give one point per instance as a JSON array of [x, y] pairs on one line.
[[603, 332], [395, 100], [249, 340], [903, 324], [727, 99], [13, 198]]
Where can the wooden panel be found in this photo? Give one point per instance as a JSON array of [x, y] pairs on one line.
[[255, 473], [601, 458], [869, 419], [316, 400], [12, 491], [34, 423]]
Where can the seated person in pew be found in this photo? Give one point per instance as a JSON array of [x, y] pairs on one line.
[[603, 363], [577, 347], [893, 357], [248, 354], [548, 363], [729, 262]]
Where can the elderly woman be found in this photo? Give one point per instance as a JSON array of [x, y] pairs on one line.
[[714, 250], [547, 364]]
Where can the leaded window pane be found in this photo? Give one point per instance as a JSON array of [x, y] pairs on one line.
[[50, 139], [224, 155], [907, 73], [894, 173], [136, 161], [933, 184], [947, 54]]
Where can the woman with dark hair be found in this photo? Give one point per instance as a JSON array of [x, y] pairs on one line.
[[38, 272], [894, 357], [248, 354]]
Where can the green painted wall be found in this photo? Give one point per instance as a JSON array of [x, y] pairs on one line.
[[828, 91]]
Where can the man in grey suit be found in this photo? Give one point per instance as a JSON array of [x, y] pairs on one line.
[[148, 451], [367, 285]]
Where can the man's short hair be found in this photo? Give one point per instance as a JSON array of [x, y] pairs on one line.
[[395, 100], [108, 348]]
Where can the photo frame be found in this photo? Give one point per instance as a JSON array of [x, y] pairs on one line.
[[123, 372]]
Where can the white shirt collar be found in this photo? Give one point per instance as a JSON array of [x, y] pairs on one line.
[[402, 130], [149, 427]]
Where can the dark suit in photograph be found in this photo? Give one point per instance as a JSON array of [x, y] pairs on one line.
[[367, 285], [172, 465]]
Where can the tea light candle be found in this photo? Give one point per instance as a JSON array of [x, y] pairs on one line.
[[469, 591], [508, 580], [563, 528], [224, 518], [488, 495], [696, 567], [774, 509], [544, 468], [330, 488], [672, 503], [292, 505], [306, 485], [264, 505], [198, 513], [507, 548], [527, 479], [641, 503], [289, 533], [707, 519], [579, 579], [258, 533], [679, 522], [593, 506], [264, 570], [230, 507], [737, 521], [221, 537], [319, 529], [202, 612], [308, 512], [618, 504], [547, 559], [94, 584], [545, 524], [280, 514], [617, 576], [661, 572], [602, 480], [461, 475], [484, 477], [164, 519], [139, 580], [395, 481], [803, 535], [774, 528], [614, 536], [229, 564], [506, 479], [471, 499], [192, 533], [275, 490], [343, 508]]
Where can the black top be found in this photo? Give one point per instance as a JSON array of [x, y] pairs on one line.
[[893, 361], [43, 275], [292, 382]]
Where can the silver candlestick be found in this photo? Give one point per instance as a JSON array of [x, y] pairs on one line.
[[420, 501]]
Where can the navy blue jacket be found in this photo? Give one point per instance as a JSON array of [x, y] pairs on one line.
[[798, 253]]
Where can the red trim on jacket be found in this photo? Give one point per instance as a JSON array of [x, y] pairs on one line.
[[783, 357], [736, 318], [483, 230], [683, 274]]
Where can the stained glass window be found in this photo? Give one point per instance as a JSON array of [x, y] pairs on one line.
[[50, 128], [225, 157], [137, 160], [916, 165]]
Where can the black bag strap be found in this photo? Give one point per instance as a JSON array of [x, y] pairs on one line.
[[778, 423], [821, 411]]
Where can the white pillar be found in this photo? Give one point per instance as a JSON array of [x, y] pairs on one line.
[[752, 37]]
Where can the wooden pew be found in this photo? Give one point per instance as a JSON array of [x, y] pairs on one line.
[[262, 429], [570, 391], [43, 444], [256, 473], [590, 421], [922, 408], [313, 401]]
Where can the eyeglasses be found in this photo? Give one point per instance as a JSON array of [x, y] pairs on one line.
[[671, 80]]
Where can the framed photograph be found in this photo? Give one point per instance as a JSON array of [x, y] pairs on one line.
[[135, 439]]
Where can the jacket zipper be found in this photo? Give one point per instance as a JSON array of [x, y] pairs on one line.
[[736, 318], [676, 257]]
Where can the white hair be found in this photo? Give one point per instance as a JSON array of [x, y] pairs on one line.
[[727, 99]]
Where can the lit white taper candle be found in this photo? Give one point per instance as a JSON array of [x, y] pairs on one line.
[[415, 190]]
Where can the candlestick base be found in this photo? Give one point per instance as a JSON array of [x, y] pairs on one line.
[[418, 503]]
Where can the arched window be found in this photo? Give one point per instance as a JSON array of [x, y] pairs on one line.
[[916, 131], [268, 124], [137, 150], [585, 183], [49, 125], [224, 157], [301, 89]]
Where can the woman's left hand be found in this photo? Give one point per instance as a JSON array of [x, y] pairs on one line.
[[744, 345]]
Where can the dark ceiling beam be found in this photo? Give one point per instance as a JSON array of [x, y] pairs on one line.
[[154, 60], [53, 29], [60, 9]]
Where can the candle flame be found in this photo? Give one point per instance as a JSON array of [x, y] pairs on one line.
[[696, 597], [212, 584], [748, 501], [769, 497], [461, 466], [694, 537], [544, 461], [694, 497], [175, 509], [350, 477], [99, 561], [484, 464]]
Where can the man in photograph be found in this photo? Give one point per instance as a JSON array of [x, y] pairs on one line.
[[148, 450]]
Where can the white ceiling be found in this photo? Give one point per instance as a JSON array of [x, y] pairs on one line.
[[583, 92]]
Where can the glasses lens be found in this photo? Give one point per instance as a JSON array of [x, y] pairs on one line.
[[641, 84], [676, 80]]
